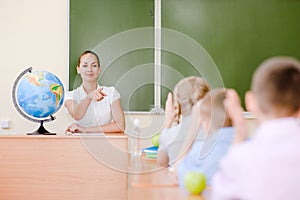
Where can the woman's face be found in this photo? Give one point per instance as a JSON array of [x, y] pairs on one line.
[[88, 68]]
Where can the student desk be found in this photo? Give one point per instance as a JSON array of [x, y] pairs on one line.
[[154, 182], [62, 167]]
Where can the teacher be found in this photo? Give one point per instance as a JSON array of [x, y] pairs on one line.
[[94, 108]]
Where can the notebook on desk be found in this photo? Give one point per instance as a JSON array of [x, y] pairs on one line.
[[150, 152], [152, 149]]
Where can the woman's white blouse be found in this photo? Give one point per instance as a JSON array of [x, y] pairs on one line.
[[99, 112]]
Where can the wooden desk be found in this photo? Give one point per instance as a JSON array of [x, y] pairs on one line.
[[150, 175], [57, 167], [161, 194], [83, 168], [155, 183]]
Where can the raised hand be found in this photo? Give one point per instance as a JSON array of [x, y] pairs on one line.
[[235, 111], [171, 115], [233, 106]]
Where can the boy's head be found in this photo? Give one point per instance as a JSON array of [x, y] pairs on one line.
[[275, 88], [212, 111]]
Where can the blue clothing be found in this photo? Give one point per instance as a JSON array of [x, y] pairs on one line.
[[204, 155]]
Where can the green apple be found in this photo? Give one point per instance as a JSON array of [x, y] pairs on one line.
[[155, 140], [194, 182]]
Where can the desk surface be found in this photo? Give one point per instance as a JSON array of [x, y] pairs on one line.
[[155, 182]]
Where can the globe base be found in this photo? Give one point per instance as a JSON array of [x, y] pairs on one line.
[[41, 131]]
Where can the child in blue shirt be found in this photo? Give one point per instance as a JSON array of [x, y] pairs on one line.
[[205, 154]]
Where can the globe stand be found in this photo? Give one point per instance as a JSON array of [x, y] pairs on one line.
[[41, 130]]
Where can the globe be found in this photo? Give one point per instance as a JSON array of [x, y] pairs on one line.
[[37, 95]]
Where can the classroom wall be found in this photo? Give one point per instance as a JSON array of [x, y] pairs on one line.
[[33, 33]]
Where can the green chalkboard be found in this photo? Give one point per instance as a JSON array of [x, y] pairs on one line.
[[236, 34], [93, 25]]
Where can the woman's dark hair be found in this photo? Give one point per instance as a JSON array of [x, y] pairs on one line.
[[88, 52]]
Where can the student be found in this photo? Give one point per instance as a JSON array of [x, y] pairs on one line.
[[178, 116], [267, 166], [205, 154], [95, 108]]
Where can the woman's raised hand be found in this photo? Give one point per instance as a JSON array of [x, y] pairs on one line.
[[97, 95]]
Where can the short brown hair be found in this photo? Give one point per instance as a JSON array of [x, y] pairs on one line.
[[276, 85], [212, 109]]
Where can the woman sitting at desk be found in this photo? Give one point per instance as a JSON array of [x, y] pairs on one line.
[[95, 108]]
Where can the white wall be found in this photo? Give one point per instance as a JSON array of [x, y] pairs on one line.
[[33, 33]]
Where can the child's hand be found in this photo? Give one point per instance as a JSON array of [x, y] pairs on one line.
[[171, 115], [235, 111], [233, 106]]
